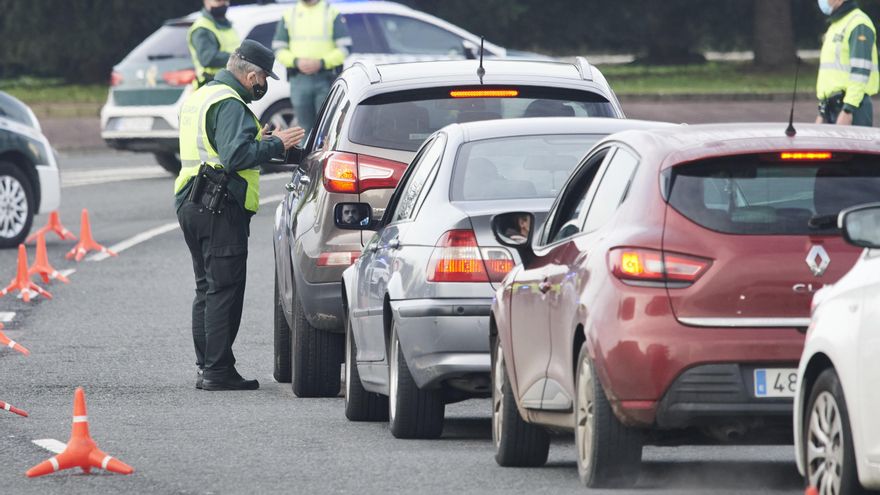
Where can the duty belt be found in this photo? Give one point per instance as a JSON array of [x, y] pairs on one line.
[[831, 106], [209, 188]]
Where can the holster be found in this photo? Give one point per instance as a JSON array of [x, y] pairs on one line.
[[209, 188], [830, 108]]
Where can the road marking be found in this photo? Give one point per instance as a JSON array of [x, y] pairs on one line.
[[78, 178], [68, 272], [51, 445], [162, 229], [7, 316]]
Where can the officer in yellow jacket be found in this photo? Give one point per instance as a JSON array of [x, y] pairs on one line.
[[848, 75], [216, 193], [312, 41], [211, 39]]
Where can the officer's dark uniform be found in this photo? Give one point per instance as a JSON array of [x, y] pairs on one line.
[[218, 240]]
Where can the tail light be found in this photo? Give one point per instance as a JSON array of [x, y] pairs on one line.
[[353, 174], [180, 77], [115, 78], [339, 258], [649, 265], [458, 258]]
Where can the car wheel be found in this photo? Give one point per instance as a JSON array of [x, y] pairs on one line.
[[360, 404], [609, 453], [517, 443], [316, 357], [282, 340], [17, 205], [168, 161], [413, 413], [828, 445], [280, 114]]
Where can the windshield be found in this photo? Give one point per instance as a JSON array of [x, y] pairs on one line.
[[167, 42]]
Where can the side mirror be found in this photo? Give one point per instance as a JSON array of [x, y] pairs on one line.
[[861, 225], [514, 230], [354, 216]]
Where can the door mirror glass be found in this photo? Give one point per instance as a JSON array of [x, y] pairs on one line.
[[861, 225], [513, 229], [354, 216]]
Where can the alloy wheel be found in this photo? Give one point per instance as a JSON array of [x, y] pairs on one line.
[[13, 207], [825, 445], [585, 419]]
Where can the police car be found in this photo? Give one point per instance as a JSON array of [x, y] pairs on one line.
[[148, 86]]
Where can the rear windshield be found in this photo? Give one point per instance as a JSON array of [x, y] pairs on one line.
[[748, 195], [517, 167], [402, 120], [168, 42]]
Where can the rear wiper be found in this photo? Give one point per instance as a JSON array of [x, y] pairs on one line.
[[823, 222], [160, 56]]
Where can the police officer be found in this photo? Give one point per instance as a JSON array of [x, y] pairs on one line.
[[848, 74], [312, 41], [211, 39], [217, 191]]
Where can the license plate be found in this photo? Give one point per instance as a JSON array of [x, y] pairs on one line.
[[135, 124], [775, 382]]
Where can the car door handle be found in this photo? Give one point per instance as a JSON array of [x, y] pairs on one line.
[[305, 180], [545, 286], [290, 187]]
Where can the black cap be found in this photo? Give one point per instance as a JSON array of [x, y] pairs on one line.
[[257, 54]]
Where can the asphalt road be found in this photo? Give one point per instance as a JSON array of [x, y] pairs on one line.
[[121, 330]]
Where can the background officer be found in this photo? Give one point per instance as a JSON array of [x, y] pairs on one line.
[[312, 41], [847, 66], [211, 39], [221, 143]]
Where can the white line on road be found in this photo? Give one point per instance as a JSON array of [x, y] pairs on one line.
[[7, 316], [79, 178], [68, 272], [51, 445]]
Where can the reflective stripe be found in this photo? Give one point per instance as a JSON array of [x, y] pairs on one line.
[[861, 63], [278, 44], [859, 78], [11, 344], [54, 462], [833, 66], [80, 419], [204, 154], [7, 407], [105, 462]]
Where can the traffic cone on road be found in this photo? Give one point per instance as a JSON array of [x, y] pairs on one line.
[[15, 346], [54, 225], [12, 409], [811, 490], [41, 265], [86, 242], [22, 281], [81, 451]]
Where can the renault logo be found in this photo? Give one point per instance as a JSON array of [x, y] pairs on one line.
[[818, 260]]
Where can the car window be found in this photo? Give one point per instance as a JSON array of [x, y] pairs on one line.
[[408, 35], [363, 40], [562, 222], [169, 41], [13, 109], [328, 113], [263, 34], [612, 189], [415, 185]]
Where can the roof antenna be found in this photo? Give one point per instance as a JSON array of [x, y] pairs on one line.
[[480, 70], [790, 131]]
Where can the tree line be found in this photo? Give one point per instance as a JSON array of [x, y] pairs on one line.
[[81, 40]]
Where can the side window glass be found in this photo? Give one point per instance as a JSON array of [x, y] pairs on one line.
[[408, 35], [564, 221], [612, 190], [411, 191], [263, 34], [362, 38], [331, 104]]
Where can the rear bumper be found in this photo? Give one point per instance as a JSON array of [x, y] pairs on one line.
[[445, 339]]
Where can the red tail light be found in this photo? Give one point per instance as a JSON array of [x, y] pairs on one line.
[[115, 78], [458, 258], [649, 265], [353, 174], [180, 77]]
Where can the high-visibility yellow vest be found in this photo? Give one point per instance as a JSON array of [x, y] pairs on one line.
[[310, 29], [834, 61], [227, 37], [196, 148]]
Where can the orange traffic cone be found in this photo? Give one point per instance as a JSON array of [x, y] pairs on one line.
[[41, 265], [22, 281], [81, 451], [86, 242], [54, 225], [811, 490], [12, 409], [7, 342]]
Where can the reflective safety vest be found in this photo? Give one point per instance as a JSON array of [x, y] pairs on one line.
[[310, 30], [195, 147], [835, 64], [227, 38]]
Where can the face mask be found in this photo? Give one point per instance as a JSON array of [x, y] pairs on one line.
[[825, 7], [218, 12], [259, 90]]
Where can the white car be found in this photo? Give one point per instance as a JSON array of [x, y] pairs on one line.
[[836, 409], [150, 83]]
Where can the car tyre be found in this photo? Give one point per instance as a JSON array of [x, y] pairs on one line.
[[281, 331], [360, 404], [413, 413], [827, 430], [517, 443], [609, 453], [17, 205], [168, 161], [316, 357]]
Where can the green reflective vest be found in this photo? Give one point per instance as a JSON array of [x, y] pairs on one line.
[[227, 38], [310, 30], [195, 147], [838, 71]]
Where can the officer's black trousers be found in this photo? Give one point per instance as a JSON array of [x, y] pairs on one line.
[[218, 245]]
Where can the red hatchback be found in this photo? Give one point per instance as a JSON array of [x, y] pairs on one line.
[[664, 299]]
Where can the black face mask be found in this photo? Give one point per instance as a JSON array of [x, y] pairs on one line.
[[218, 12], [259, 90]]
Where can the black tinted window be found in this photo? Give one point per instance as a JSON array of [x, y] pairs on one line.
[[362, 37], [408, 35], [168, 41], [11, 108], [745, 195], [263, 34]]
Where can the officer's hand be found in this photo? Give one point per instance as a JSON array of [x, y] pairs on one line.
[[844, 118], [267, 130], [290, 137], [308, 65]]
